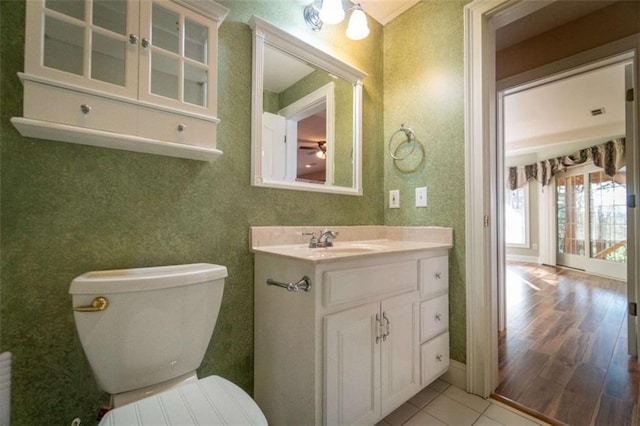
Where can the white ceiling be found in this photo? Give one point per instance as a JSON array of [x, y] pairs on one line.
[[275, 62], [384, 11], [559, 113]]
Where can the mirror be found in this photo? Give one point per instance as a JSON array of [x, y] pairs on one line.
[[306, 117]]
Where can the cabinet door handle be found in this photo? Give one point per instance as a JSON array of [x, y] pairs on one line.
[[86, 109], [438, 317], [384, 336], [145, 42], [133, 39], [439, 358], [378, 328], [438, 275]]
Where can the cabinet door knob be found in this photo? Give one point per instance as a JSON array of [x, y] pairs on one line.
[[145, 42], [181, 127], [438, 275], [438, 317], [86, 109], [439, 358], [133, 39]]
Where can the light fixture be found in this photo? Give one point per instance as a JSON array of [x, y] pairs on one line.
[[331, 12], [322, 150]]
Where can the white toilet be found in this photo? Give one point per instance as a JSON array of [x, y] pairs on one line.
[[144, 332]]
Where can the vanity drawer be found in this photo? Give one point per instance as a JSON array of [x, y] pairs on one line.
[[170, 127], [58, 105], [434, 275], [434, 358], [434, 317], [354, 284]]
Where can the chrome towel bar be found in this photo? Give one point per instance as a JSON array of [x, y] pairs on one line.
[[303, 284]]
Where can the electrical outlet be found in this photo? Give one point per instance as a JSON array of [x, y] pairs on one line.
[[394, 199], [421, 196]]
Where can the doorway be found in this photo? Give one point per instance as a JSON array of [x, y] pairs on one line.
[[482, 173]]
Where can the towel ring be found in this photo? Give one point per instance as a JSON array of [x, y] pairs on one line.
[[407, 170], [410, 137]]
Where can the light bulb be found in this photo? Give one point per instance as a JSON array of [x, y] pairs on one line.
[[331, 12], [357, 28]]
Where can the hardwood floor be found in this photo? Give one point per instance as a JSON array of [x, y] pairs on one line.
[[564, 353]]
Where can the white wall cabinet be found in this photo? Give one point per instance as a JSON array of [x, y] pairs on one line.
[[351, 350], [133, 75]]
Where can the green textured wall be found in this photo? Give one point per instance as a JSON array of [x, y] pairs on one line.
[[423, 88], [68, 209]]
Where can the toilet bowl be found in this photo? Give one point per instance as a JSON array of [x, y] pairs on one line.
[[145, 331]]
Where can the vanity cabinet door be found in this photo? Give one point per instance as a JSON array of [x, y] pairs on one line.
[[352, 366], [400, 350]]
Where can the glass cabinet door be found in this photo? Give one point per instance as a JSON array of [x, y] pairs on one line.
[[91, 41], [176, 55]]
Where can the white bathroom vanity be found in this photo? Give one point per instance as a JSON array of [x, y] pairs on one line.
[[348, 333]]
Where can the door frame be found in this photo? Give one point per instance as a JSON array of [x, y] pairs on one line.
[[482, 173]]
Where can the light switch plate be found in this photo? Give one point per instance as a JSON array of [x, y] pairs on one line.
[[394, 199], [421, 196]]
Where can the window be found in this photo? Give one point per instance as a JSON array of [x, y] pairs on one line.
[[517, 217]]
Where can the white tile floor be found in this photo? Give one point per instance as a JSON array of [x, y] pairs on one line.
[[441, 404]]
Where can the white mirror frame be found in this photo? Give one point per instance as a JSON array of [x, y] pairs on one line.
[[266, 33]]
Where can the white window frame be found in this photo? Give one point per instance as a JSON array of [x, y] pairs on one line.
[[527, 216]]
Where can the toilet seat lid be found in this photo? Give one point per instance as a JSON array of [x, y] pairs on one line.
[[209, 401]]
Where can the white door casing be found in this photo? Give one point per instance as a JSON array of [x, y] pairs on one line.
[[481, 18]]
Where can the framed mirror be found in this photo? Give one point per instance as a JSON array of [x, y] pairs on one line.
[[306, 116]]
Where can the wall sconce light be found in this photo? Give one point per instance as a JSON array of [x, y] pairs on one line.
[[332, 12]]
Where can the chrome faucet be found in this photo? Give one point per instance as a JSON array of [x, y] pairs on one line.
[[326, 238]]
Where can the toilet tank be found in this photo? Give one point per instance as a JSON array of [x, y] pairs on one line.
[[157, 324]]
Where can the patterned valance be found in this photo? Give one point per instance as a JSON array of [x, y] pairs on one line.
[[610, 156]]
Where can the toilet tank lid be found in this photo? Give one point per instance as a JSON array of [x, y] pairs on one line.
[[141, 279]]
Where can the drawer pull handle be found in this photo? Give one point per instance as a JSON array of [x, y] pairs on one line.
[[133, 39], [438, 317], [438, 275], [86, 109], [145, 43], [439, 358], [303, 284], [98, 304], [181, 127]]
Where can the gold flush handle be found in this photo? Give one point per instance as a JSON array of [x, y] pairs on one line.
[[99, 304]]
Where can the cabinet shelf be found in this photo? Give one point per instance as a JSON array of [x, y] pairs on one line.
[[65, 133]]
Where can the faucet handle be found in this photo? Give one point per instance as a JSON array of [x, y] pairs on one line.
[[313, 242]]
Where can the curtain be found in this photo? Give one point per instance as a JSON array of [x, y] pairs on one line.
[[610, 156]]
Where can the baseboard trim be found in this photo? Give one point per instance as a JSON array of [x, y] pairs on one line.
[[519, 258], [456, 375]]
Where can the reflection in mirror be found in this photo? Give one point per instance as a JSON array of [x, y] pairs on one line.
[[306, 116]]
